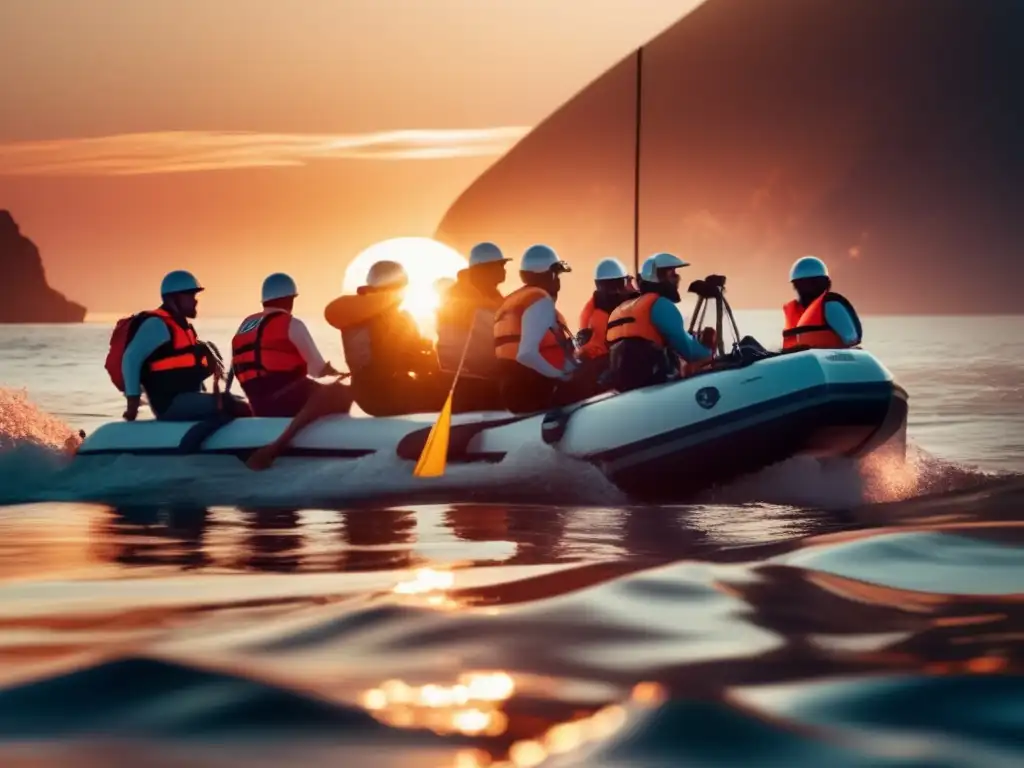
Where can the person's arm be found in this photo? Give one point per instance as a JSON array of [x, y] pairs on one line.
[[838, 318], [149, 336], [214, 365], [538, 319], [669, 321], [298, 334]]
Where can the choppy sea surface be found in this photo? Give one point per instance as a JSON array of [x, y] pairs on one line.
[[843, 615]]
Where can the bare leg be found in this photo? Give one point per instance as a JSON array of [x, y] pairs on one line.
[[331, 399]]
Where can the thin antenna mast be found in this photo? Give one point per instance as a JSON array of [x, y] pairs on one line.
[[636, 163]]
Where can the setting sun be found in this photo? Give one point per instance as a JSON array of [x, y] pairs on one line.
[[426, 261]]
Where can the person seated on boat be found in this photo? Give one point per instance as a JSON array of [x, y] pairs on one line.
[[535, 350], [272, 356], [164, 357], [818, 318], [647, 335], [466, 317], [394, 369], [611, 288]]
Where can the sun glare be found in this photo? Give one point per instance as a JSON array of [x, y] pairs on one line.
[[425, 260]]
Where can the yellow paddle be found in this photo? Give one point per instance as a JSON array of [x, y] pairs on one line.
[[434, 456]]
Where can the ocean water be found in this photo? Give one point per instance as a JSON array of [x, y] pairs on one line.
[[524, 614]]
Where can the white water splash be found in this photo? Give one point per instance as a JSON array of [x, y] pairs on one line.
[[22, 422]]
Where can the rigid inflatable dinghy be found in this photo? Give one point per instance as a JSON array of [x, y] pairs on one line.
[[661, 442]]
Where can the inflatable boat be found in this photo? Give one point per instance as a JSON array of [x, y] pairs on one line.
[[661, 442]]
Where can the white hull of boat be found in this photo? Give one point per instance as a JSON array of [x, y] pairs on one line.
[[661, 441]]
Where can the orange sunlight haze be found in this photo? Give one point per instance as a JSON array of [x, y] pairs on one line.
[[425, 260]]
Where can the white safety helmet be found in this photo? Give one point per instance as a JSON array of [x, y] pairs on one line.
[[808, 266], [486, 253], [610, 269], [649, 270], [278, 286], [385, 274], [179, 281], [540, 259]]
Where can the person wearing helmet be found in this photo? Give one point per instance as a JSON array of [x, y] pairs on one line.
[[272, 356], [164, 357], [818, 317], [466, 316], [647, 334], [533, 344], [611, 288], [394, 369]]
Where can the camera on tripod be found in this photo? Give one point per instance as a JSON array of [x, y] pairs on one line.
[[708, 288]]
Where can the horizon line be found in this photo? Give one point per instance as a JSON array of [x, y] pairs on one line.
[[103, 317]]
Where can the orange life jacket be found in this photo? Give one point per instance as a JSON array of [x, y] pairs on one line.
[[596, 319], [379, 339], [461, 301], [466, 311], [587, 312], [183, 352], [809, 328], [632, 320], [508, 328], [180, 353], [261, 347]]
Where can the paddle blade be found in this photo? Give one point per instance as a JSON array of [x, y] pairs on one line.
[[435, 452]]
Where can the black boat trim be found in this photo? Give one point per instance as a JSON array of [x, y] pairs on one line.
[[459, 436], [656, 446]]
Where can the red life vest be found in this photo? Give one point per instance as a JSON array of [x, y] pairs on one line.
[[261, 347], [508, 329], [807, 327], [181, 353]]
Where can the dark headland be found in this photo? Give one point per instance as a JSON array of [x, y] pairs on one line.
[[884, 136], [25, 296]]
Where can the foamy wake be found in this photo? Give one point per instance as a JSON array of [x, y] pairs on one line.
[[22, 422], [843, 483], [36, 465]]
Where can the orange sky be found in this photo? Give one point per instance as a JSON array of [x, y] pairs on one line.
[[113, 158]]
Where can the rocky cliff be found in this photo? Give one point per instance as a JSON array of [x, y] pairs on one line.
[[881, 135], [25, 296]]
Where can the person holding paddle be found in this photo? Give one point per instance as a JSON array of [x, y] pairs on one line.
[[465, 319]]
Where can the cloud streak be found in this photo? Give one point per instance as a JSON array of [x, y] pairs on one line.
[[135, 154]]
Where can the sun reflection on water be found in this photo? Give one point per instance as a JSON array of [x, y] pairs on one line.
[[430, 586], [470, 706], [473, 705]]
